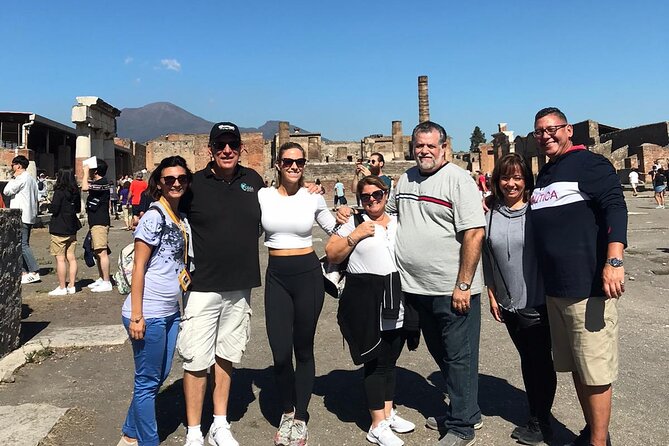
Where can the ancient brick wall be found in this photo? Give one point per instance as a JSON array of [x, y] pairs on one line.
[[657, 133], [338, 151], [10, 279]]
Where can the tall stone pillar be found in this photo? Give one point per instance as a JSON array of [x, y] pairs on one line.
[[10, 279], [423, 100], [398, 150], [95, 122], [284, 133]]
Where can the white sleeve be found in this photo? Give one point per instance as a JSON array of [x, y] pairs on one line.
[[324, 217], [13, 187]]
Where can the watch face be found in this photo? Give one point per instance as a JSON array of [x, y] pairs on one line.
[[463, 286]]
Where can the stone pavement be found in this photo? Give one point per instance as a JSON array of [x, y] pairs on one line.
[[85, 389]]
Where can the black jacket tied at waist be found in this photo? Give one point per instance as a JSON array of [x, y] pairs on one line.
[[360, 308]]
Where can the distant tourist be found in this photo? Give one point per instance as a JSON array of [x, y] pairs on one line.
[[320, 186], [22, 193], [634, 180], [137, 186], [63, 227], [294, 291], [96, 184], [580, 212], [124, 202], [516, 291], [151, 311], [659, 185], [113, 199], [339, 196], [41, 187]]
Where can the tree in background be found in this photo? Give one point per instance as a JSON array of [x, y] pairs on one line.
[[478, 137]]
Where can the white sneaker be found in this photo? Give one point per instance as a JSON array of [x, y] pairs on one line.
[[221, 436], [58, 292], [399, 424], [103, 287], [96, 283], [30, 278], [194, 441], [383, 435], [71, 290]]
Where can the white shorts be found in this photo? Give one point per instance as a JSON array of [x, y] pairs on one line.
[[214, 324]]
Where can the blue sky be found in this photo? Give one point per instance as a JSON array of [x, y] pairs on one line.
[[346, 68]]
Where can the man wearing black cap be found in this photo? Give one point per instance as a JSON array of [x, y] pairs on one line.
[[224, 215]]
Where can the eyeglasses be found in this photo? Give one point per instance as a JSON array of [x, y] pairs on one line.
[[288, 162], [220, 145], [372, 161], [377, 195], [169, 180], [551, 130]]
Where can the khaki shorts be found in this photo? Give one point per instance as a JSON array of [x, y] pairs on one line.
[[62, 245], [214, 324], [584, 335], [99, 236]]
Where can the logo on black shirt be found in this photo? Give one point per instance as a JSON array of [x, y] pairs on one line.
[[247, 188]]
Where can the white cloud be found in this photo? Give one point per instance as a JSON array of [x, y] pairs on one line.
[[128, 60], [171, 64]]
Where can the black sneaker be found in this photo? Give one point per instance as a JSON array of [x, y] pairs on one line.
[[519, 430], [535, 433], [583, 438]]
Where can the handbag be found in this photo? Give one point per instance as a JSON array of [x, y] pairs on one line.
[[334, 274]]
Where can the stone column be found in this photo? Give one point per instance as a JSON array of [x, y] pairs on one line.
[[398, 150], [10, 279], [284, 133], [423, 100]]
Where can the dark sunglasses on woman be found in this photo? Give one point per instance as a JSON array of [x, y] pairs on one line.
[[376, 195], [288, 162], [169, 180]]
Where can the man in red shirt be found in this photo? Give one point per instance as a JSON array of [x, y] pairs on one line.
[[137, 187]]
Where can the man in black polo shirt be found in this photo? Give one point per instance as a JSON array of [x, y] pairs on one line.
[[97, 207], [224, 215]]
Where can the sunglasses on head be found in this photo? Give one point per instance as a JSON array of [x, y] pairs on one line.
[[376, 195], [169, 180], [288, 162], [220, 145]]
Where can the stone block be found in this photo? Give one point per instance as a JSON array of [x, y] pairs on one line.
[[10, 279]]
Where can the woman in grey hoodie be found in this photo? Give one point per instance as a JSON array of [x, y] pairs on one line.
[[516, 293]]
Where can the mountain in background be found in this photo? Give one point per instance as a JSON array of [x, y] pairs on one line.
[[160, 118]]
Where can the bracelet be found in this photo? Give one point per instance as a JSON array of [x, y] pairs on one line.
[[350, 241], [136, 321]]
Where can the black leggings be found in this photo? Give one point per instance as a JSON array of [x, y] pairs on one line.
[[293, 302], [380, 371], [536, 363]]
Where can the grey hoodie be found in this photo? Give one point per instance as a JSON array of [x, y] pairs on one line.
[[513, 246]]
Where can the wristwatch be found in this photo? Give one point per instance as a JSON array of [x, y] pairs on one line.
[[615, 262], [463, 286]]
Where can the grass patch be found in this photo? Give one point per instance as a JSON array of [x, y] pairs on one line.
[[37, 356]]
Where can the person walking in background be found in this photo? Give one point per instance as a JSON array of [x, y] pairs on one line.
[[373, 314], [580, 214], [126, 211], [339, 195], [516, 291], [634, 180], [63, 227], [97, 208], [294, 291], [137, 186], [22, 192], [150, 313], [659, 185], [113, 199]]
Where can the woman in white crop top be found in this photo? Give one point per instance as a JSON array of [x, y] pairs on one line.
[[293, 287]]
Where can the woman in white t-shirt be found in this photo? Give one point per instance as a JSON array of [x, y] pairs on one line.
[[373, 313], [151, 310], [293, 287]]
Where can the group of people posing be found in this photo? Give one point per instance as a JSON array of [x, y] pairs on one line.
[[412, 258]]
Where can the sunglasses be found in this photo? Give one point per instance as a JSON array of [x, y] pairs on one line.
[[169, 180], [552, 130], [288, 162], [220, 145], [377, 195]]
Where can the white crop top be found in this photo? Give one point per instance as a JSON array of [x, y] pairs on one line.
[[288, 220]]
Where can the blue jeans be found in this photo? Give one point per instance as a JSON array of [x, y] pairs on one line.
[[153, 360], [453, 341], [29, 262]]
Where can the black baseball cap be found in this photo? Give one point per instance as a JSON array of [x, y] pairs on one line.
[[224, 131]]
